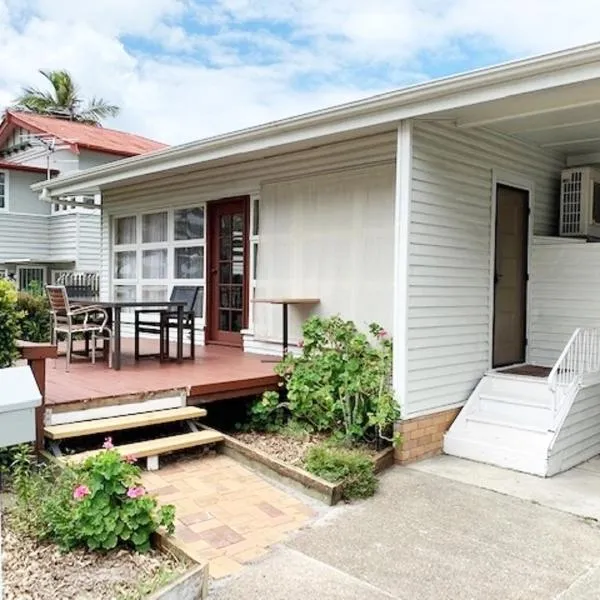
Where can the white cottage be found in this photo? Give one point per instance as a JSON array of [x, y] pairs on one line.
[[435, 210]]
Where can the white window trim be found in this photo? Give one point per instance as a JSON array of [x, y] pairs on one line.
[[170, 244], [21, 268], [6, 191], [253, 243]]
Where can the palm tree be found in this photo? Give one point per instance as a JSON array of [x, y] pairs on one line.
[[63, 100]]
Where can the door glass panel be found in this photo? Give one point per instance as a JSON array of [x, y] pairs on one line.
[[225, 273], [224, 297], [236, 296], [231, 258], [224, 320], [236, 320]]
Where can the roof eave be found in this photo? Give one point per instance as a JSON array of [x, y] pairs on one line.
[[528, 75]]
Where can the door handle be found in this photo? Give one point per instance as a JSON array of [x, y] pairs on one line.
[[497, 277]]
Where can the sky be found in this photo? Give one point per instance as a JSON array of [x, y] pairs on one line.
[[186, 69]]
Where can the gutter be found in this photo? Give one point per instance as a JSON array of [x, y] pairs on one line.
[[389, 108]]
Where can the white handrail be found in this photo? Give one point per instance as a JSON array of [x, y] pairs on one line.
[[580, 357]]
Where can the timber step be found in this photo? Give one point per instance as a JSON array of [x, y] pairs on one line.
[[151, 449], [111, 424]]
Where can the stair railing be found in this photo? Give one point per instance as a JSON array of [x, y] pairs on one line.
[[580, 357]]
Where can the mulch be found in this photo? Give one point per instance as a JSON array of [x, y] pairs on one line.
[[34, 571]]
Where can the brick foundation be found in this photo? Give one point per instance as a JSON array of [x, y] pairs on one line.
[[422, 437]]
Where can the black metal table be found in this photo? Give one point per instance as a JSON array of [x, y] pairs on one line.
[[114, 308]]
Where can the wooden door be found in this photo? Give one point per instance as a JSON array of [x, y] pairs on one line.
[[228, 270], [510, 276]]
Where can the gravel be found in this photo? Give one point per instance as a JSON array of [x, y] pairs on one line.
[[34, 571]]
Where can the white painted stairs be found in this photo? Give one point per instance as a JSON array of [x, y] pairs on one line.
[[148, 449], [508, 421]]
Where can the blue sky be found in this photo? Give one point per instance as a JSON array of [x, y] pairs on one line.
[[185, 69]]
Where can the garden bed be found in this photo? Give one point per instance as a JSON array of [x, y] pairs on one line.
[[266, 453], [42, 572]]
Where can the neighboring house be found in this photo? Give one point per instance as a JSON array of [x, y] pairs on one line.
[[434, 210], [38, 239]]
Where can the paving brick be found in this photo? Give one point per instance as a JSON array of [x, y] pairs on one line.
[[222, 536], [223, 566], [197, 517]]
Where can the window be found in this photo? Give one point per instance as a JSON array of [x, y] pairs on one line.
[[31, 276], [3, 191], [154, 251]]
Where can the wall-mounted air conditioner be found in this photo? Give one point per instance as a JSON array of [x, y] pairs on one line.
[[579, 202]]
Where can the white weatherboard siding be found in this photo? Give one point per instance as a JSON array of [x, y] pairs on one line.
[[449, 299], [20, 197], [329, 237], [317, 176], [89, 241], [23, 236], [565, 294], [578, 438], [63, 237]]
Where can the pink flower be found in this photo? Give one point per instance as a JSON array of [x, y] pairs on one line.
[[136, 492], [81, 491], [301, 344], [130, 458], [382, 334], [108, 445]]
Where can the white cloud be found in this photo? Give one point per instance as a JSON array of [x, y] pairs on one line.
[[182, 69]]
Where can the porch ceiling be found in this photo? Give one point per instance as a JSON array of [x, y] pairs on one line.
[[565, 119]]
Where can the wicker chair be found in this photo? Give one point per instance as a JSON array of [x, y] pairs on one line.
[[72, 320]]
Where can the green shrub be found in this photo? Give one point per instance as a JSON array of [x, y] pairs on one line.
[[266, 414], [100, 504], [9, 323], [354, 469], [341, 383], [36, 317]]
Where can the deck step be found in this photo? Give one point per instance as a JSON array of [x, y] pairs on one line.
[[154, 448], [111, 424]]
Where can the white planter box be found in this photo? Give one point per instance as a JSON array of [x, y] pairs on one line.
[[19, 397]]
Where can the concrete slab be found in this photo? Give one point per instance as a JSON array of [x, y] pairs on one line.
[[289, 575], [576, 491], [426, 537], [431, 538]]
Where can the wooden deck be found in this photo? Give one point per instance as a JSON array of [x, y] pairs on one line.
[[217, 373]]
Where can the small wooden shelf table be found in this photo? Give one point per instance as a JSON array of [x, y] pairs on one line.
[[285, 303]]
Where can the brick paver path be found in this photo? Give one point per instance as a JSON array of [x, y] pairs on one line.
[[226, 514]]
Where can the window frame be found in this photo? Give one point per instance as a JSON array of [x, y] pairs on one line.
[[6, 195], [170, 244]]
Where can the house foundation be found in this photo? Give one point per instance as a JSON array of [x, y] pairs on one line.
[[422, 437]]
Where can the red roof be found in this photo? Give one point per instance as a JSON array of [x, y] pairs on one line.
[[10, 166], [80, 135]]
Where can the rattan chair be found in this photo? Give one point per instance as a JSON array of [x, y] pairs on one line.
[[72, 320]]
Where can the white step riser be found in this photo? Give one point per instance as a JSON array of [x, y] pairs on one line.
[[508, 457], [175, 400], [534, 391], [493, 433], [515, 412]]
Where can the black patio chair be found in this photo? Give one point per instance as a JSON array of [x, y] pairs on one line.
[[167, 320]]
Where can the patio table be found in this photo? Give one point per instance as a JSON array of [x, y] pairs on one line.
[[114, 308]]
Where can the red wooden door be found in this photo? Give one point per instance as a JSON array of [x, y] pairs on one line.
[[228, 270]]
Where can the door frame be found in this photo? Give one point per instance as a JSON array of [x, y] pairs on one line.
[[513, 180], [209, 325]]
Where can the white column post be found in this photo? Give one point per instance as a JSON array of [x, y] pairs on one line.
[[401, 253]]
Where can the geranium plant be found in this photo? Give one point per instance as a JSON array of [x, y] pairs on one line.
[[111, 507], [340, 383]]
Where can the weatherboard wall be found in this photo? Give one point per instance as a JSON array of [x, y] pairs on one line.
[[336, 203], [449, 270]]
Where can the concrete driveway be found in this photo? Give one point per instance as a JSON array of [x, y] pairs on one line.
[[427, 537]]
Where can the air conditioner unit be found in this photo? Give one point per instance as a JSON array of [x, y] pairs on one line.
[[579, 202]]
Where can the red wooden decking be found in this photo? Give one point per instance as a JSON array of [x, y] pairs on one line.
[[218, 372]]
